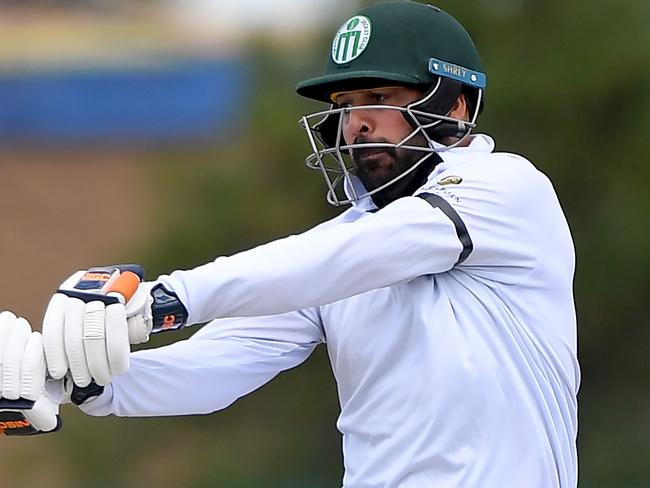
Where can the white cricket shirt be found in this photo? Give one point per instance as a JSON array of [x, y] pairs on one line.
[[448, 318]]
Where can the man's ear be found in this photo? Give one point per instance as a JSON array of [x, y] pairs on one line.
[[460, 110]]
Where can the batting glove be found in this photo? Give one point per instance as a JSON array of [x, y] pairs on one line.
[[25, 406], [96, 314]]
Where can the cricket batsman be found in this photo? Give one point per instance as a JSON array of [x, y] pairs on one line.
[[443, 293]]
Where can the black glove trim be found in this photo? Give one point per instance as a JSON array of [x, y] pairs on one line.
[[80, 394], [89, 297], [16, 424], [20, 404]]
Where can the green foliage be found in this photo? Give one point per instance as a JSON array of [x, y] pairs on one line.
[[229, 195]]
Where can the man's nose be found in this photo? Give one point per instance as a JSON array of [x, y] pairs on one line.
[[358, 122]]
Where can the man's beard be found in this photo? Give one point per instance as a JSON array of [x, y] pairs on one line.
[[386, 165]]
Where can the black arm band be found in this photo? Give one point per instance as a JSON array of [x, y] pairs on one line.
[[461, 230]]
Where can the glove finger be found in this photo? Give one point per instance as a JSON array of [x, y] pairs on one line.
[[74, 345], [6, 321], [117, 338], [94, 339], [54, 337], [43, 416], [138, 332], [55, 391], [11, 361], [33, 368]]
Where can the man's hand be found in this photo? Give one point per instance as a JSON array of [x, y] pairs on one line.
[[92, 320], [25, 408], [95, 316]]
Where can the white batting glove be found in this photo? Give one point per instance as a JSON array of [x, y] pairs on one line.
[[25, 407], [87, 328], [95, 316]]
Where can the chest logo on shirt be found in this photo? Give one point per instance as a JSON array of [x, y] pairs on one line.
[[450, 180]]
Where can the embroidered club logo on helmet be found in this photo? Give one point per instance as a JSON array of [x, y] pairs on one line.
[[351, 39]]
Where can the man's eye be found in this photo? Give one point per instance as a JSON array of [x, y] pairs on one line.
[[379, 97]]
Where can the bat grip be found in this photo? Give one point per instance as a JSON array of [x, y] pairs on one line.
[[126, 285]]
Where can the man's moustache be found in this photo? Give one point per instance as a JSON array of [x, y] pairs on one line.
[[360, 153]]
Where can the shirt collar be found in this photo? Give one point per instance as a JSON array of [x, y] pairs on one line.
[[478, 143], [365, 203]]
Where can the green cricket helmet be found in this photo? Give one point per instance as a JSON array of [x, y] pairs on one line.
[[394, 43]]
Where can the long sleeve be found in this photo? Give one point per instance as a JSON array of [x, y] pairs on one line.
[[487, 223], [222, 362], [404, 240]]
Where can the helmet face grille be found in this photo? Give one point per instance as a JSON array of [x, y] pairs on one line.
[[330, 154]]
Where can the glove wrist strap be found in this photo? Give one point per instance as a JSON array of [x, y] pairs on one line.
[[81, 395], [167, 311]]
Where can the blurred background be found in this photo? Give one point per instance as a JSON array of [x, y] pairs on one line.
[[164, 132]]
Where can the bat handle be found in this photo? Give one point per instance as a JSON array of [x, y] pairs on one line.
[[126, 285]]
